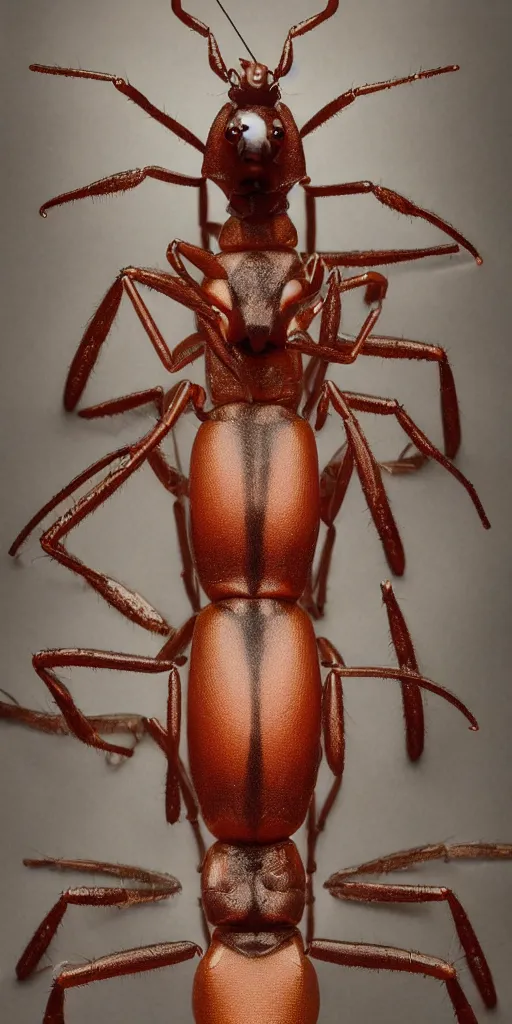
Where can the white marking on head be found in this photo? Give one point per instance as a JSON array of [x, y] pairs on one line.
[[253, 140]]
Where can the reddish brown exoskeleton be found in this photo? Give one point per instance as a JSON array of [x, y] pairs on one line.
[[254, 154], [256, 714], [257, 709]]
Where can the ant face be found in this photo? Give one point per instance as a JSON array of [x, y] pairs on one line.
[[256, 136], [253, 150]]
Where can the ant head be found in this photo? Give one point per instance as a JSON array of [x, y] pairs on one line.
[[254, 149]]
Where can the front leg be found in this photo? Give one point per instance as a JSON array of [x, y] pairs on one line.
[[132, 94], [388, 198], [342, 102]]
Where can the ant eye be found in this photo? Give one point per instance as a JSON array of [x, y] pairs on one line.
[[232, 133], [278, 132]]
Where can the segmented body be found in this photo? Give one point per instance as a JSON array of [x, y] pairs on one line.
[[261, 626]]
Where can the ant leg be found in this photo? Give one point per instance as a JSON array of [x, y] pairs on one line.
[[205, 261], [172, 479], [120, 182], [82, 727], [177, 485], [130, 604], [158, 887], [358, 954], [158, 115], [182, 355], [130, 961], [369, 475], [126, 403], [411, 694], [404, 649], [159, 734], [56, 725], [370, 892], [395, 201], [333, 727], [422, 854], [345, 350], [334, 481], [132, 94], [400, 348], [328, 347], [368, 469], [371, 257], [99, 327], [390, 407], [45, 663], [341, 102], [194, 298]]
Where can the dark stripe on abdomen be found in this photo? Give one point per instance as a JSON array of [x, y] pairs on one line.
[[253, 624]]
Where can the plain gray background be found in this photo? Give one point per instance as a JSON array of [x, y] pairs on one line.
[[444, 144]]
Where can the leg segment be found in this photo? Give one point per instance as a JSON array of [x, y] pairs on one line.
[[411, 695], [157, 887], [100, 324], [357, 954], [405, 675], [387, 197], [193, 297], [327, 346], [368, 470], [369, 475], [404, 649], [45, 663], [333, 727], [368, 892], [368, 257], [334, 481], [56, 725], [126, 601], [131, 961], [177, 485], [341, 102], [132, 94], [205, 261], [422, 854], [120, 182], [401, 348], [125, 403], [390, 407]]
